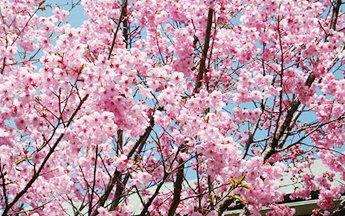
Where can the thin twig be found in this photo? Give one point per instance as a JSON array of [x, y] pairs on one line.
[[117, 28]]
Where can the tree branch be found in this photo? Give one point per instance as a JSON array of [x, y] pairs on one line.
[[125, 22], [3, 183], [106, 194], [335, 13], [224, 205], [142, 138], [274, 142], [3, 65], [38, 172], [141, 141], [177, 189], [94, 181], [202, 67], [117, 28], [147, 205]]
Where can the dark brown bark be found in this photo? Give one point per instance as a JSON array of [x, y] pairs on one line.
[[148, 204], [117, 27], [116, 177], [94, 181], [202, 66], [177, 189], [273, 144], [142, 138], [335, 14], [125, 22], [224, 206], [106, 194]]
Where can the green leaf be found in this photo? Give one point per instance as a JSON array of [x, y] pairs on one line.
[[238, 198], [233, 181], [240, 180], [236, 182], [246, 186], [211, 198]]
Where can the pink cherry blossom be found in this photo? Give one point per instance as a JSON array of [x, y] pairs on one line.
[[170, 107]]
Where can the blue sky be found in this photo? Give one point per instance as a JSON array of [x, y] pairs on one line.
[[76, 16]]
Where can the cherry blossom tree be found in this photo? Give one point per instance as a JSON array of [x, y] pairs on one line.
[[217, 98]]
